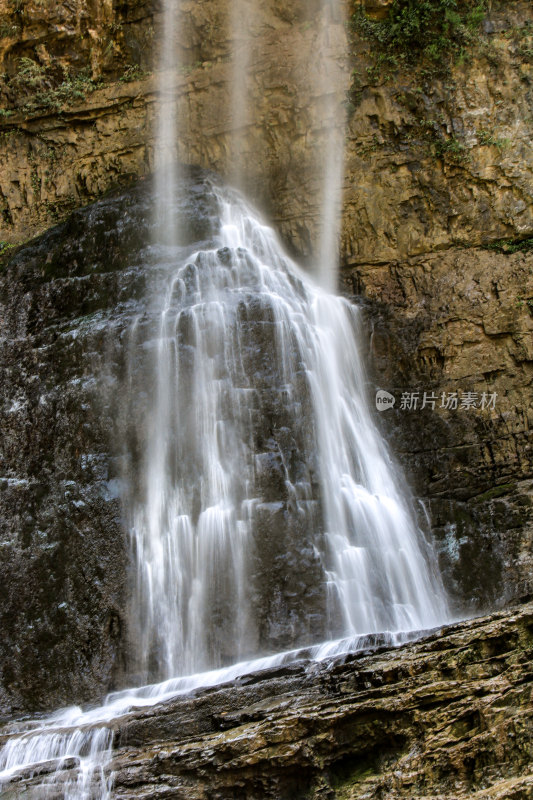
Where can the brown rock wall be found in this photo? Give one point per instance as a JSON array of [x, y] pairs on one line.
[[407, 191], [456, 322], [445, 718]]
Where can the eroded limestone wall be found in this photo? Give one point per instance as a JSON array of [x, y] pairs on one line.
[[451, 323]]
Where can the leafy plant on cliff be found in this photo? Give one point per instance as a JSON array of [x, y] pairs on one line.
[[75, 87], [424, 38], [133, 72], [451, 150], [8, 29], [5, 247], [31, 76], [436, 30], [486, 137], [45, 90], [510, 246]]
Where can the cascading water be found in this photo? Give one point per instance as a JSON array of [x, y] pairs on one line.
[[166, 152], [268, 523], [195, 525], [244, 18]]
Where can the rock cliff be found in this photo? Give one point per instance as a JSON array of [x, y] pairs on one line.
[[449, 717], [446, 324], [438, 169], [437, 163], [434, 159]]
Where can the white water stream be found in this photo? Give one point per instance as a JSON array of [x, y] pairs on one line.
[[331, 47], [193, 528]]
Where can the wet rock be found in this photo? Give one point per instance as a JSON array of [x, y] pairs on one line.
[[445, 717], [67, 301], [78, 325], [451, 323]]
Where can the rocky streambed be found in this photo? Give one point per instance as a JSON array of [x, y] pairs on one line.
[[445, 717]]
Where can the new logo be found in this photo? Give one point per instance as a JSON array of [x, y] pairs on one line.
[[384, 400]]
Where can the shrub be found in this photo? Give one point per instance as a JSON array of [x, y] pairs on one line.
[[30, 77], [433, 29], [510, 246]]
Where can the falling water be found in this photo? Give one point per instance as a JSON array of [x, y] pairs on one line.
[[203, 516], [270, 523], [331, 47], [195, 527], [244, 19], [166, 150]]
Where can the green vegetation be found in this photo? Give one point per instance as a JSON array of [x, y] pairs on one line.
[[44, 90], [8, 29], [523, 40], [423, 36], [5, 247], [6, 251], [510, 246], [59, 210], [497, 491], [437, 31], [424, 39], [74, 88], [486, 137], [30, 76], [133, 73], [451, 150]]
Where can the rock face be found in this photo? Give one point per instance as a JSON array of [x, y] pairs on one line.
[[66, 306], [62, 560], [454, 323], [431, 162], [436, 163], [80, 319], [447, 717], [435, 167], [72, 435]]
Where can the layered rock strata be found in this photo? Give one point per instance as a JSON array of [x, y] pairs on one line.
[[446, 718]]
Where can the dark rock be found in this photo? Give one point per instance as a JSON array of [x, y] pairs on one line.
[[446, 717], [67, 301]]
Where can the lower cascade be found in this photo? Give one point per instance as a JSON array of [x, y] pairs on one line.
[[267, 520]]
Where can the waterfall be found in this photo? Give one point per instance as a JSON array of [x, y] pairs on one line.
[[268, 522], [195, 524], [211, 496], [244, 18], [166, 150]]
